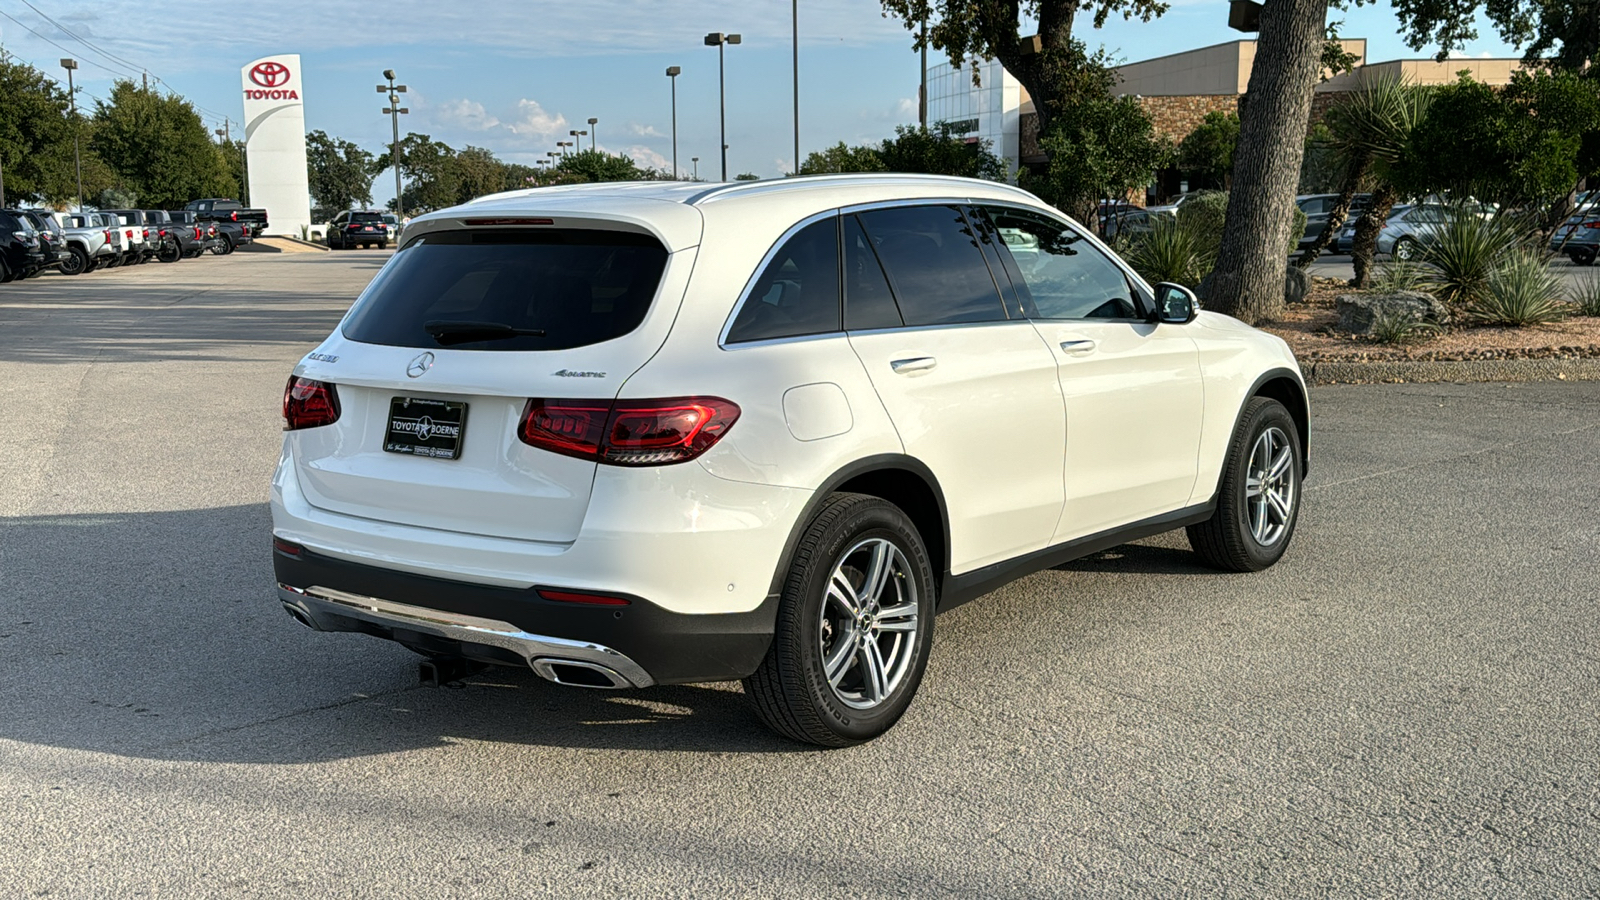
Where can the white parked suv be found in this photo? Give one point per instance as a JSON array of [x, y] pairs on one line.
[[637, 434]]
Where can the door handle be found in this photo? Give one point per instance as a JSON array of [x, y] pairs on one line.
[[1078, 348], [913, 365]]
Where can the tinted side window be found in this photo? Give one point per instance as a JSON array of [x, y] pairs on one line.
[[798, 292], [868, 302], [1067, 277], [934, 263]]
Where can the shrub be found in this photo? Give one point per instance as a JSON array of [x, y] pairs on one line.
[[1169, 252], [1401, 328], [1204, 213], [1521, 291], [1585, 294], [1402, 275], [1466, 250]]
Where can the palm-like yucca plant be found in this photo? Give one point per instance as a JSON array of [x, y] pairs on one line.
[[1169, 252], [1520, 291], [1403, 275], [1585, 295], [1467, 249]]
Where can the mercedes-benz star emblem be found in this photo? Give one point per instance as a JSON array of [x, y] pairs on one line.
[[420, 366]]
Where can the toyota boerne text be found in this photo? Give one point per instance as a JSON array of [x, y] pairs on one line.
[[657, 433]]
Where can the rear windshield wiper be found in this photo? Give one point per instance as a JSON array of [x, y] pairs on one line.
[[448, 333]]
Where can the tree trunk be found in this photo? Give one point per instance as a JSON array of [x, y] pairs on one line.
[[1364, 246], [1248, 280], [1337, 215]]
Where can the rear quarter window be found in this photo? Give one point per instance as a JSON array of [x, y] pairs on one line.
[[578, 287]]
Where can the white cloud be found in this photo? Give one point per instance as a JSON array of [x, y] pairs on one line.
[[784, 166], [467, 114], [533, 121], [906, 108], [637, 130], [647, 158]]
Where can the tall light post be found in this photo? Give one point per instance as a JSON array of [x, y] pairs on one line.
[[575, 135], [394, 111], [71, 65], [718, 40], [696, 161], [672, 75], [794, 14], [592, 131]]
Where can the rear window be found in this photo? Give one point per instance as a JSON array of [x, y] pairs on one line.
[[366, 217], [578, 287]]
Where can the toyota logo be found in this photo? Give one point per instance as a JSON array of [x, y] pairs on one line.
[[420, 366], [270, 74]]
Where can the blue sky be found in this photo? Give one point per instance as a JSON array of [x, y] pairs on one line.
[[516, 76]]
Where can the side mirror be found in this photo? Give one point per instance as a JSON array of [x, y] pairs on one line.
[[1175, 304]]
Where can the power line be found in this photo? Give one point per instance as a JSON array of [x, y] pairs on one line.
[[53, 43], [105, 54]]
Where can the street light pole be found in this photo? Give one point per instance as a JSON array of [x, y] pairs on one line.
[[575, 135], [696, 161], [672, 76], [394, 111], [77, 126], [794, 13], [719, 40], [592, 132]]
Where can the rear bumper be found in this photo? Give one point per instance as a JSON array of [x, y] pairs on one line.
[[642, 644]]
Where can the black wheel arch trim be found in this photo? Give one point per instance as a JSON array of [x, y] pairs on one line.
[[1301, 416]]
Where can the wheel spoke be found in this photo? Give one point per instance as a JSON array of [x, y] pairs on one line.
[[1252, 486], [838, 662], [842, 593], [878, 571], [1259, 525], [1279, 504], [874, 681], [1280, 464], [898, 611]]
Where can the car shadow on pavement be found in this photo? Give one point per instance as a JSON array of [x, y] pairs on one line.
[[1172, 557], [158, 635]]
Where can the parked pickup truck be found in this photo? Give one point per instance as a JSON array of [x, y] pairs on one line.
[[221, 237], [141, 245], [218, 209], [177, 240], [89, 244]]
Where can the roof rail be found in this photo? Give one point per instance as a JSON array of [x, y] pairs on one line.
[[794, 181]]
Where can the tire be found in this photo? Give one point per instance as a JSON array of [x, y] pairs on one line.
[[224, 245], [849, 537], [76, 263], [1582, 257], [1405, 248], [5, 274], [1246, 534], [169, 253]]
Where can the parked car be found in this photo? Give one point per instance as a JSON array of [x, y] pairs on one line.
[[759, 431], [174, 240], [357, 228], [136, 228], [1317, 207], [20, 254], [206, 233], [222, 209], [1578, 237], [1404, 231], [116, 235], [391, 223], [89, 243], [52, 240], [1171, 209], [1127, 223]]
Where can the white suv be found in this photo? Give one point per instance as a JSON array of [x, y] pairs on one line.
[[658, 433]]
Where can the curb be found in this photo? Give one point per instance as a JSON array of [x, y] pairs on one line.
[[284, 242], [1421, 371]]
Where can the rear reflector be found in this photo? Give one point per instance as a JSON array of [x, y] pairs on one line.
[[287, 548], [628, 432], [308, 404], [583, 597]]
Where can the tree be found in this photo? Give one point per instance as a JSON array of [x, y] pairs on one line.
[[36, 131], [1564, 32], [597, 165], [340, 172], [1248, 280], [158, 147], [747, 176], [1056, 68], [840, 158], [1098, 147], [939, 151], [1206, 153], [432, 179]]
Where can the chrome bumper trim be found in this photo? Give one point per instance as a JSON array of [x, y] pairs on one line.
[[313, 605]]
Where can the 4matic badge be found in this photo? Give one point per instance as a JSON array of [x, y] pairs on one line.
[[568, 373]]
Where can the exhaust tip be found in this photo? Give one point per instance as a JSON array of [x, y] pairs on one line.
[[300, 616], [576, 673]]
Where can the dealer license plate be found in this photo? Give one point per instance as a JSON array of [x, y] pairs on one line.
[[422, 427]]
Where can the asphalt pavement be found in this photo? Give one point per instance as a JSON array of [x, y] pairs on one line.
[[1407, 705]]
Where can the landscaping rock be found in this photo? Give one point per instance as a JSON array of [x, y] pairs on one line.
[[1296, 284], [1358, 312]]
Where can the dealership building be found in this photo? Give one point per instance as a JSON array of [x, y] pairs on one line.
[[1177, 90]]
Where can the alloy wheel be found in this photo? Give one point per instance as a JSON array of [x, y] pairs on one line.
[[868, 629], [1270, 488]]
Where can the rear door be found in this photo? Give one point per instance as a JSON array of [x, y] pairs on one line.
[[1134, 396], [972, 392], [431, 397]]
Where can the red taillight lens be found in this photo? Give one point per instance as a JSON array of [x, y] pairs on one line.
[[233, 217], [146, 232], [583, 597], [161, 233], [308, 404], [628, 432]]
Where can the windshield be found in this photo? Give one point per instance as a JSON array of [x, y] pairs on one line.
[[518, 290]]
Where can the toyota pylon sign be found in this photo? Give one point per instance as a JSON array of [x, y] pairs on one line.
[[275, 141]]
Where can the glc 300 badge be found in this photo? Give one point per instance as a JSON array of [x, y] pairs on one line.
[[420, 366]]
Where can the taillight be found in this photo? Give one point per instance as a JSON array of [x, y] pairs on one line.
[[130, 234], [198, 234], [233, 216], [161, 233], [146, 232], [308, 404], [628, 432]]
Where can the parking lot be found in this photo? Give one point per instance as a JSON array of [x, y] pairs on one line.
[[1408, 704]]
